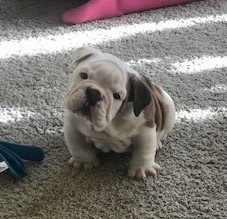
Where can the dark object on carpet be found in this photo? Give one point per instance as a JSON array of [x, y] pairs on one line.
[[14, 156]]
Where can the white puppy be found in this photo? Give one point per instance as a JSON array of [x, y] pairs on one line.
[[109, 106]]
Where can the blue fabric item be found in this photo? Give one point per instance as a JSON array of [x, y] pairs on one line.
[[26, 152], [15, 154], [14, 162]]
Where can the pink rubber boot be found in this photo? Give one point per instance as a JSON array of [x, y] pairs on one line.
[[101, 9]]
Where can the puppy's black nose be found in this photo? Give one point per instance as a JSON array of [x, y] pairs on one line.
[[93, 96]]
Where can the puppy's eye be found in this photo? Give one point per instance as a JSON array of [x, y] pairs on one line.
[[83, 75], [116, 96]]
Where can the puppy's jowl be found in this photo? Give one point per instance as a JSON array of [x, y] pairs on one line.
[[110, 106]]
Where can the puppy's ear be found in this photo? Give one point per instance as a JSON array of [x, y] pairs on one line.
[[82, 53], [139, 94]]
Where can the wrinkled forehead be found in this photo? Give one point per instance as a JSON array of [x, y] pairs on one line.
[[106, 71]]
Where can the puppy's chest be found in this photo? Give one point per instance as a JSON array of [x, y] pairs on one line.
[[108, 144], [109, 140], [117, 136], [115, 139]]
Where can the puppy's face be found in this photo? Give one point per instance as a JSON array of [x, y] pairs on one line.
[[101, 84], [97, 88]]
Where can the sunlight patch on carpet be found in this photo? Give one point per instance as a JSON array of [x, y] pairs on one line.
[[143, 61], [198, 115], [63, 42], [200, 64], [217, 88], [9, 115]]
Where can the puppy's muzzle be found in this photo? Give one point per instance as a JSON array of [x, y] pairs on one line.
[[92, 98]]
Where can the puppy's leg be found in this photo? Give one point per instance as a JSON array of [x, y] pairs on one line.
[[83, 154], [143, 163], [169, 119], [159, 143], [161, 136]]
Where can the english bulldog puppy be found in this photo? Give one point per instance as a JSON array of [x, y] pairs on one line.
[[110, 106]]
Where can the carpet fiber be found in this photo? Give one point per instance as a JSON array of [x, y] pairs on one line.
[[181, 48]]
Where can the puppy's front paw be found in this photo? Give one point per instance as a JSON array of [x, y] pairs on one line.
[[83, 164], [141, 172]]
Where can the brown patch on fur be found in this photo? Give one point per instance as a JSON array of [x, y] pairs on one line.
[[156, 111], [139, 94]]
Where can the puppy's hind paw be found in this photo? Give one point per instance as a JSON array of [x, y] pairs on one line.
[[84, 164], [159, 145]]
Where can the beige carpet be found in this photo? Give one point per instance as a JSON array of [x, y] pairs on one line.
[[184, 49]]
